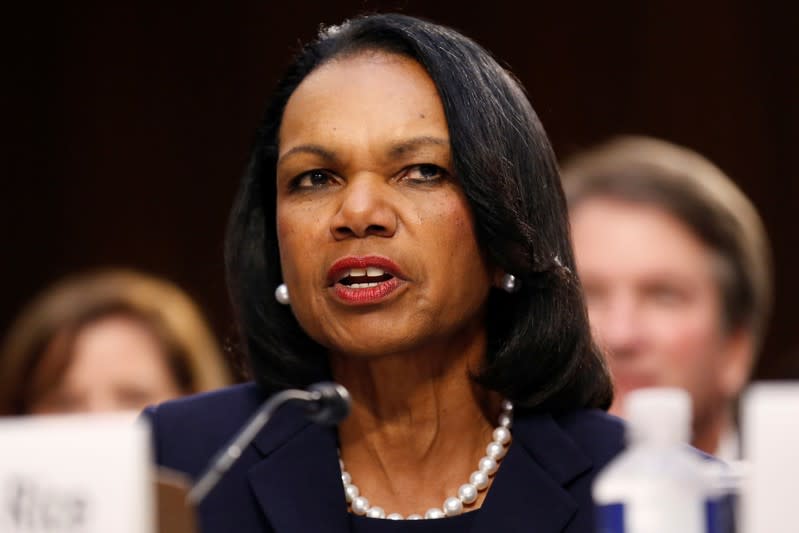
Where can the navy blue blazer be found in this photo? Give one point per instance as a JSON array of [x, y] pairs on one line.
[[289, 479]]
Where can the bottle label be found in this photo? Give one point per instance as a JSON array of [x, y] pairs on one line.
[[720, 514], [712, 516], [610, 518]]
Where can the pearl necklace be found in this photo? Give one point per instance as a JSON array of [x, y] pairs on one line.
[[467, 493]]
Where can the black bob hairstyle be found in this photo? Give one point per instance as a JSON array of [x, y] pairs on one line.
[[540, 352]]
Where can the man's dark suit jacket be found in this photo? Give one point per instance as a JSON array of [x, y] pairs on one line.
[[289, 480]]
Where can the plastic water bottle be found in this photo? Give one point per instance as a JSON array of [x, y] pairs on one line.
[[659, 484]]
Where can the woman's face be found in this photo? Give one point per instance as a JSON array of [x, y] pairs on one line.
[[116, 364], [377, 243]]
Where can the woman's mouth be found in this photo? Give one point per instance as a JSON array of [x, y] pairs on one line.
[[364, 280]]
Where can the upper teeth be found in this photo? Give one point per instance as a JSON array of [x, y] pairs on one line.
[[372, 272]]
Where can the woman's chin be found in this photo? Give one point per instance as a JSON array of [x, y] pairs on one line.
[[371, 348]]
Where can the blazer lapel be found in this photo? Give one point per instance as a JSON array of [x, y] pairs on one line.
[[298, 483], [527, 494]]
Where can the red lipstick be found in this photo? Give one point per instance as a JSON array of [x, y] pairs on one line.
[[364, 288]]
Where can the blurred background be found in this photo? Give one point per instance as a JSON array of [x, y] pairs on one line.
[[128, 124]]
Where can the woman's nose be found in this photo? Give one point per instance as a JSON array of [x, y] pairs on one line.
[[365, 209]]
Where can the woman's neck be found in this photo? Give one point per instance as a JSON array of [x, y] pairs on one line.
[[419, 423]]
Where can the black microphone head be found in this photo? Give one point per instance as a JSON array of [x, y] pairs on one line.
[[330, 405]]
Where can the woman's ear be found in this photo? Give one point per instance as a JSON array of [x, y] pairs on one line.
[[496, 277]]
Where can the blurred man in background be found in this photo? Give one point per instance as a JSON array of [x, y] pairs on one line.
[[676, 269]]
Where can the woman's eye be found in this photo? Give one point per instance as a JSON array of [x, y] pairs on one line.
[[312, 180], [426, 173]]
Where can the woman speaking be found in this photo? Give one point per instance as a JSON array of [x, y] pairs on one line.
[[401, 230]]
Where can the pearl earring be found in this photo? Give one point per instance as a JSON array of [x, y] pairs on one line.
[[510, 284], [282, 294]]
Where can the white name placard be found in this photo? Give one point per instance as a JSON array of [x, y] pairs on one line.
[[75, 474], [770, 416]]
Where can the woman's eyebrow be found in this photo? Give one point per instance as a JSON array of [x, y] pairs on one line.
[[395, 151], [313, 149], [401, 149]]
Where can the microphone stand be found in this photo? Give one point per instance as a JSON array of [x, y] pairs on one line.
[[226, 457]]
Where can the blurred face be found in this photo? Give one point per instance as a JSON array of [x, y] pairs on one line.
[[654, 303], [376, 239], [117, 364]]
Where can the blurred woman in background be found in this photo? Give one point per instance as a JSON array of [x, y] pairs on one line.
[[113, 340]]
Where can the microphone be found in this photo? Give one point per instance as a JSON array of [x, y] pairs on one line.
[[329, 403], [325, 403]]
